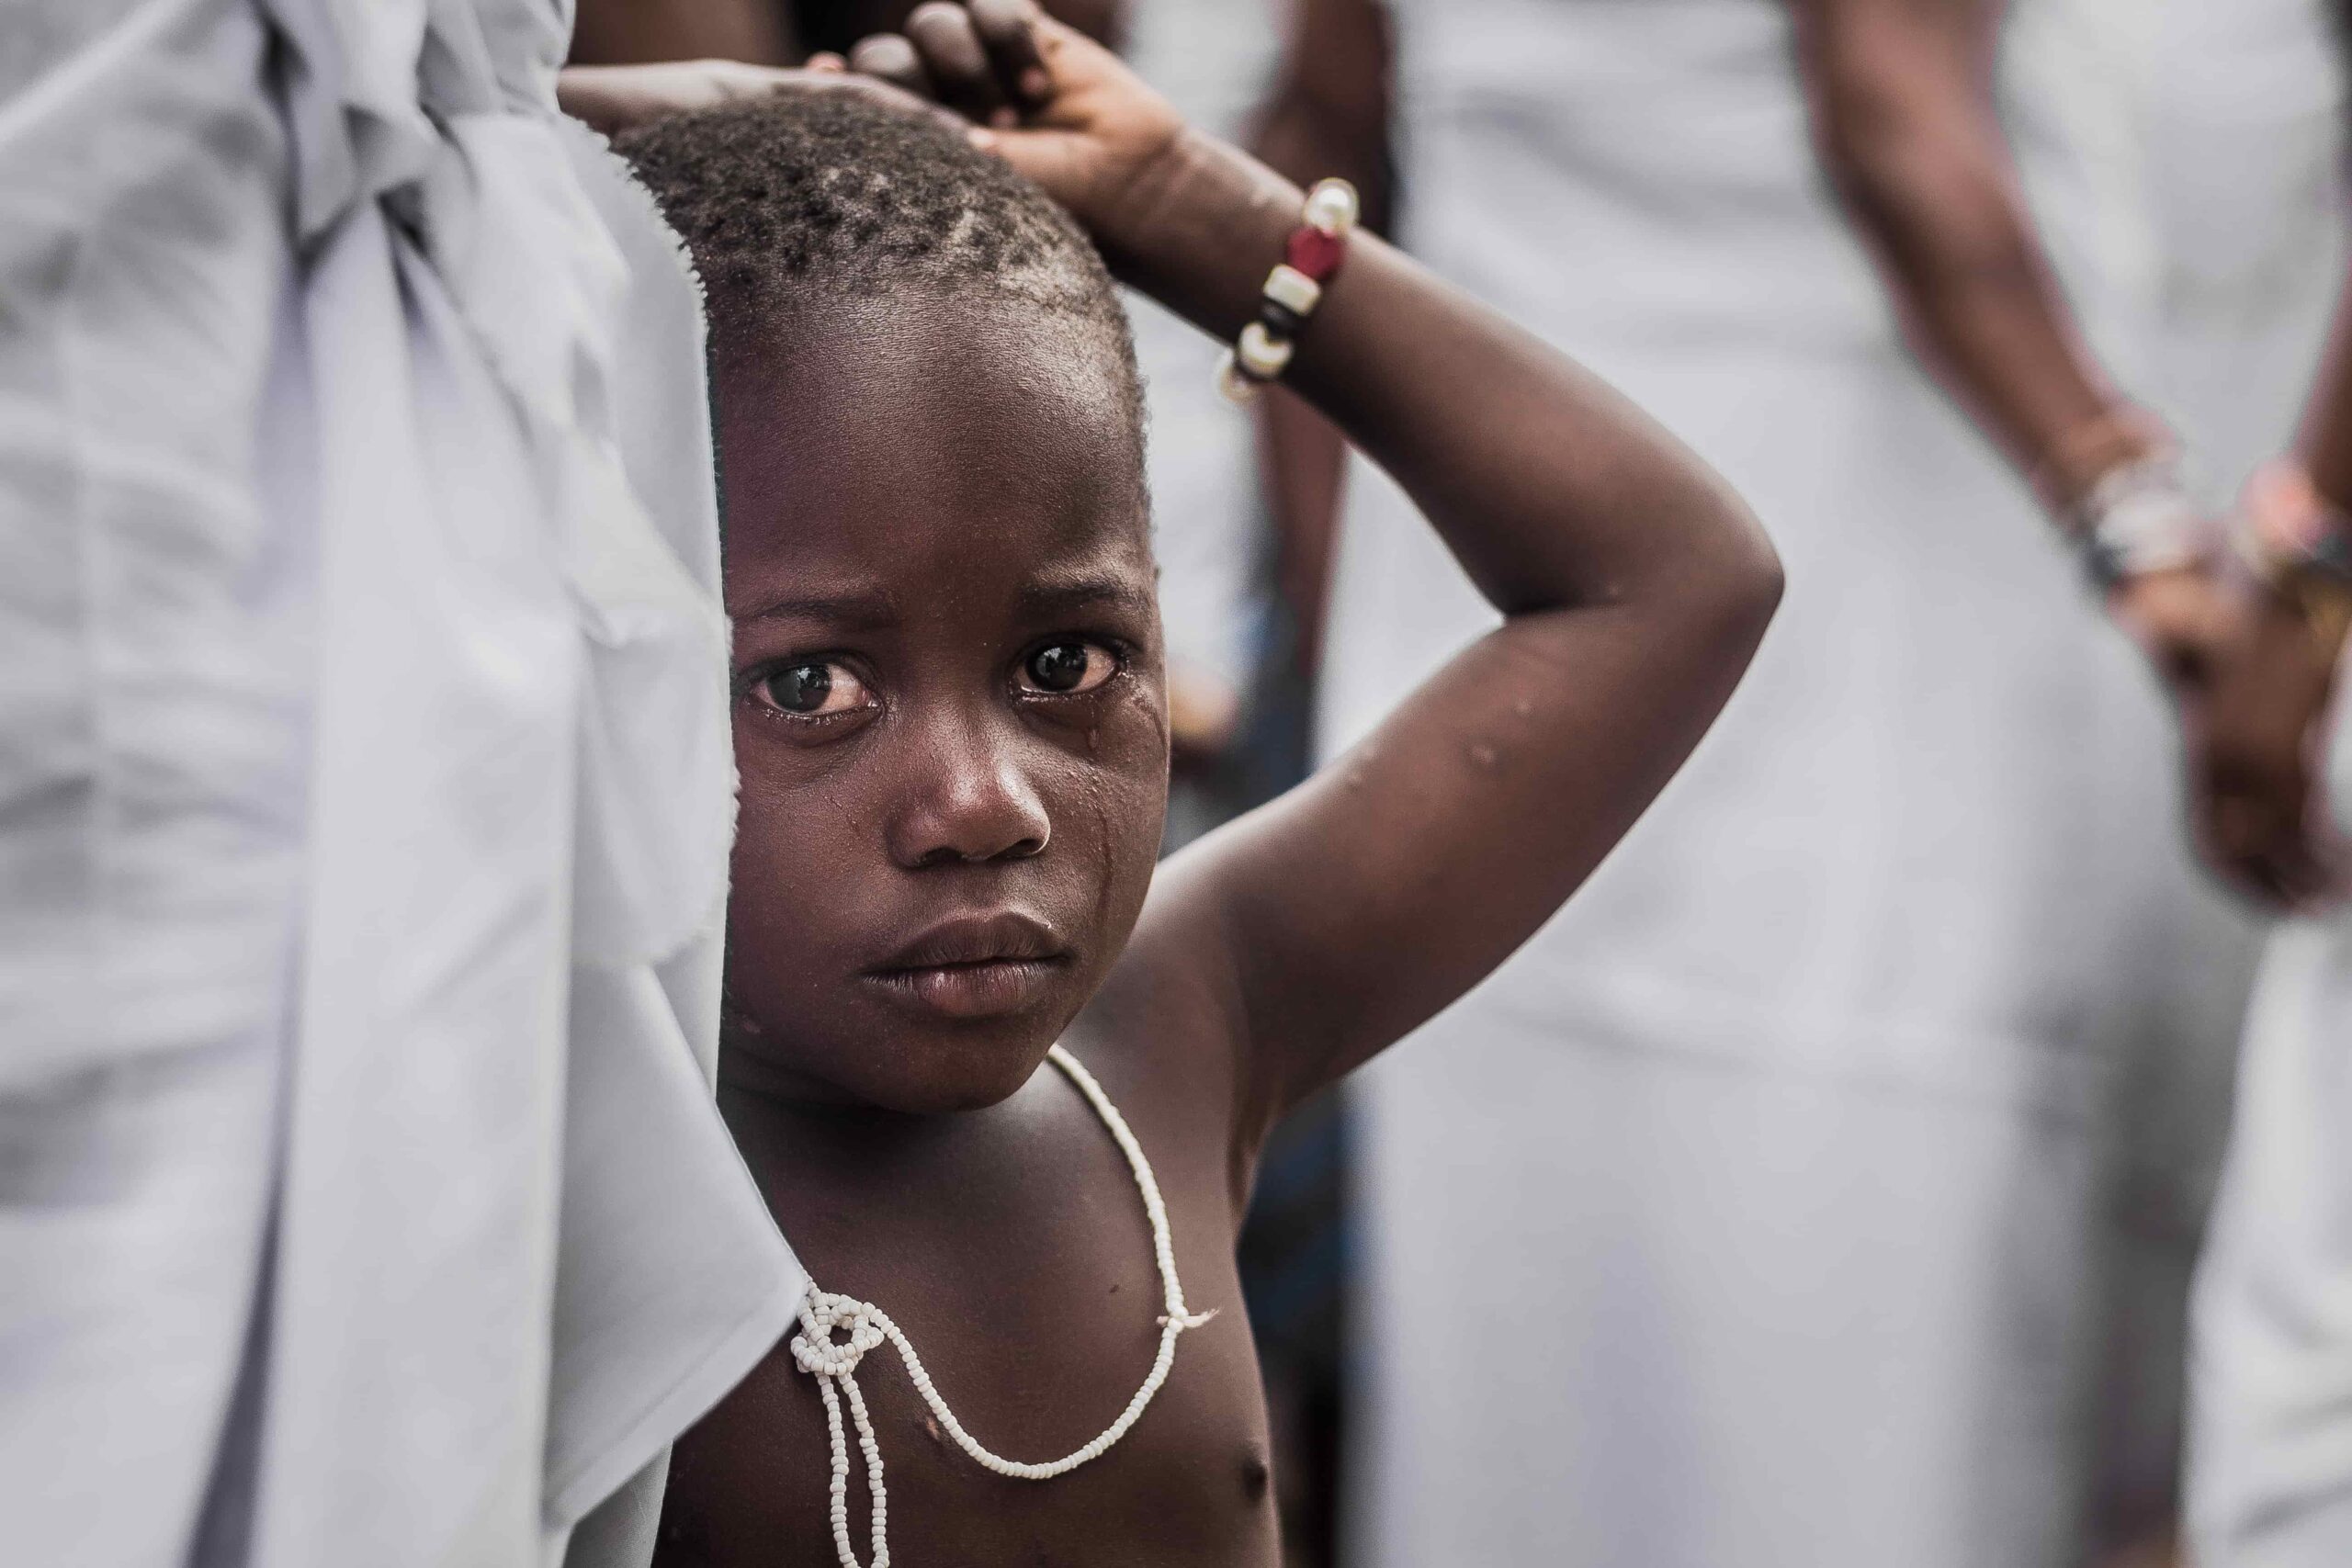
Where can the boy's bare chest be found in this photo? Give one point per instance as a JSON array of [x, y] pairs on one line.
[[1016, 1257]]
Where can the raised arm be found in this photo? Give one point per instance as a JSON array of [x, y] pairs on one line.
[[1632, 583], [1632, 588]]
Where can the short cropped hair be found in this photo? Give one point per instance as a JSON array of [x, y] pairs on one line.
[[802, 197]]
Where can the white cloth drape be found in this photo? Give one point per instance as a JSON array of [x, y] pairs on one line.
[[365, 800]]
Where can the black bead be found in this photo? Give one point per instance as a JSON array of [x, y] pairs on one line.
[[1279, 319]]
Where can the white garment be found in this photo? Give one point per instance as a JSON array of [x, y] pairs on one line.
[[364, 801], [2270, 1455], [1774, 1167], [2271, 1433]]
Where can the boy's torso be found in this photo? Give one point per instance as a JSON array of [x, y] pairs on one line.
[[1012, 1246]]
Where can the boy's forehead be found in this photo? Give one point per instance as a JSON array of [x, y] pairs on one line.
[[887, 567], [894, 376], [906, 437]]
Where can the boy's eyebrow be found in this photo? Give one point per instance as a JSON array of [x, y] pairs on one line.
[[862, 609], [1050, 597]]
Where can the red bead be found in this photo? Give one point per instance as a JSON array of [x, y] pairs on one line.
[[1314, 252]]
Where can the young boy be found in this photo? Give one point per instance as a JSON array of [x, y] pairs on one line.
[[953, 747]]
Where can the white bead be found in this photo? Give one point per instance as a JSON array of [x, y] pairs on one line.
[[1264, 355], [1289, 286], [1237, 389], [1332, 207]]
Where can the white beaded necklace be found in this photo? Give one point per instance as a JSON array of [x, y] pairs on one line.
[[867, 1325]]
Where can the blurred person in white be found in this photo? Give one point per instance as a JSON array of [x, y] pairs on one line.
[[364, 802], [2271, 1435], [1800, 1174], [2271, 1449]]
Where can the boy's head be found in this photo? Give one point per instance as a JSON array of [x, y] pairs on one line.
[[949, 719]]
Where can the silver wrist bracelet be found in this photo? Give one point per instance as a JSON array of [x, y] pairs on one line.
[[2138, 518]]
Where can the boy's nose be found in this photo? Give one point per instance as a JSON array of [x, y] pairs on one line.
[[982, 807]]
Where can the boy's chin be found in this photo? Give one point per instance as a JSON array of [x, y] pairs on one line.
[[907, 1072], [944, 1088]]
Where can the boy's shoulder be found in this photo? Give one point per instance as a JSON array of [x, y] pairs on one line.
[[1167, 1033]]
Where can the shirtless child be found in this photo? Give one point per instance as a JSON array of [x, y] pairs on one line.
[[954, 750]]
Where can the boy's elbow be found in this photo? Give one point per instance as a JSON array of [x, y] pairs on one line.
[[1742, 584], [1767, 580]]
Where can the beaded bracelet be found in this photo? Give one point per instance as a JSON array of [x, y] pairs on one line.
[[1310, 260], [2138, 518]]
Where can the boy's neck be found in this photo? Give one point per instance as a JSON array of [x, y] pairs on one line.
[[782, 1095]]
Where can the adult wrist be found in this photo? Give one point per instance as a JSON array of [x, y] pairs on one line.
[[2114, 487], [2070, 468]]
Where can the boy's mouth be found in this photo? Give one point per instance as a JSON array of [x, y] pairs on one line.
[[975, 965]]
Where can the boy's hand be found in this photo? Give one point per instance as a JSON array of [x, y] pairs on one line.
[[1054, 104]]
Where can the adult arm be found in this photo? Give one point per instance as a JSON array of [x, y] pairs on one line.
[[2325, 442], [634, 32], [1901, 93], [1902, 99]]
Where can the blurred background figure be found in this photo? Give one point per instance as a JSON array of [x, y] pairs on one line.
[[2232, 139], [1822, 1187], [2270, 1447]]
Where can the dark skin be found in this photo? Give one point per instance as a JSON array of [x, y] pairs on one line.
[[764, 32], [2263, 730], [952, 734]]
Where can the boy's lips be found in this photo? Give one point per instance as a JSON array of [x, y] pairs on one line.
[[975, 965]]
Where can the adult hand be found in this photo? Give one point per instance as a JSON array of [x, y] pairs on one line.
[[613, 98], [2254, 755], [2184, 620], [2250, 677]]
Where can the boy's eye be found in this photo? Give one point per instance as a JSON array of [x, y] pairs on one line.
[[1067, 668], [813, 689]]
